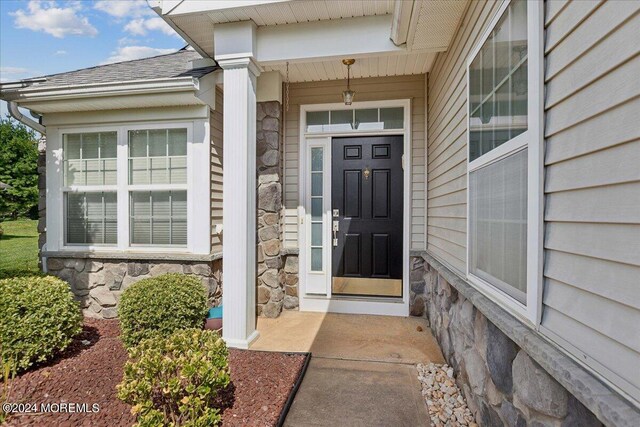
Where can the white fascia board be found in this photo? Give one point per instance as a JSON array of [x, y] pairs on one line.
[[351, 37], [174, 7], [93, 90]]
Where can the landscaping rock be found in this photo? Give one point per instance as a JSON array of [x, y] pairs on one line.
[[445, 403]]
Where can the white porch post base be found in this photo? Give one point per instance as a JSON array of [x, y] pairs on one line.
[[239, 202]]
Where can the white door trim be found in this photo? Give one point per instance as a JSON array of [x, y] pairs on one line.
[[342, 304]]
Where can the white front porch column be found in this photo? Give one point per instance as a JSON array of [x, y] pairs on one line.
[[239, 202]]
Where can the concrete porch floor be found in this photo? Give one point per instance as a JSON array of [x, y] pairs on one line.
[[350, 336], [362, 372]]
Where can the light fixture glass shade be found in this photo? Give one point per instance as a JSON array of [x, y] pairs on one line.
[[347, 96]]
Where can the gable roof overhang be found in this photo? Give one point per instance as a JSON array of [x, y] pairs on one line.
[[319, 32], [175, 79], [106, 96]]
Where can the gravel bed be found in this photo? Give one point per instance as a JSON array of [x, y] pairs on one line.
[[89, 370], [446, 404]]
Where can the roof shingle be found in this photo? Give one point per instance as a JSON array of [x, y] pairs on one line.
[[175, 64]]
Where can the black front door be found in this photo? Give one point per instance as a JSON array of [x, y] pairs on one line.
[[367, 195]]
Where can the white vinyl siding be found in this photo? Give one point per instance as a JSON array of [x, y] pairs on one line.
[[591, 302], [447, 142], [215, 123], [369, 89]]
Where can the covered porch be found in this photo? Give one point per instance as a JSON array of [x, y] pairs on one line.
[[283, 82]]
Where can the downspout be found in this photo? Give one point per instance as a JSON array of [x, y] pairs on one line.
[[16, 114], [38, 127]]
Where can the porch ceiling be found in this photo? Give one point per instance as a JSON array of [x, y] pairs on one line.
[[198, 26], [429, 27], [374, 66]]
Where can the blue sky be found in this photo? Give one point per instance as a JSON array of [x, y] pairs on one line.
[[39, 37]]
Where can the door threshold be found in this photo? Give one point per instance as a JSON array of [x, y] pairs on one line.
[[355, 305]]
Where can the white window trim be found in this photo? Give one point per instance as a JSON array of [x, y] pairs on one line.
[[156, 187], [533, 140], [197, 187]]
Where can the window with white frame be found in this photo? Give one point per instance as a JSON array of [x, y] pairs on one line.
[[153, 183], [502, 135], [89, 168], [158, 184]]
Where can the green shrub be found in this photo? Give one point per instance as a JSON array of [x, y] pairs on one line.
[[161, 305], [38, 317], [173, 381]]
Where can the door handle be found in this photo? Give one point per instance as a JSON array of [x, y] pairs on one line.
[[335, 228]]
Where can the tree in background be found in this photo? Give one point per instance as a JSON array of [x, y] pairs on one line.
[[19, 169]]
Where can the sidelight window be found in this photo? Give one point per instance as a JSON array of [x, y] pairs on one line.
[[317, 196]]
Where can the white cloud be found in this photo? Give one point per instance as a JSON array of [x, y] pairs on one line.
[[128, 53], [11, 74], [141, 26], [124, 9], [51, 19], [60, 52]]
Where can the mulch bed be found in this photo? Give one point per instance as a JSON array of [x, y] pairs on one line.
[[260, 383]]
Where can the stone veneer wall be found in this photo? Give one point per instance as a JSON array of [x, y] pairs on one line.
[[503, 385], [273, 267], [289, 279], [99, 283]]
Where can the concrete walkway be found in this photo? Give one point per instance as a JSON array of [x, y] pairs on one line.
[[362, 372]]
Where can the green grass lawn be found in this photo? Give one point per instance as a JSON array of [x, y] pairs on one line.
[[19, 248]]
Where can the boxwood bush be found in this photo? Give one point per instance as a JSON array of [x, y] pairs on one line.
[[161, 305], [173, 381], [38, 317]]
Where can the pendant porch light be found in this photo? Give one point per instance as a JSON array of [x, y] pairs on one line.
[[348, 94]]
